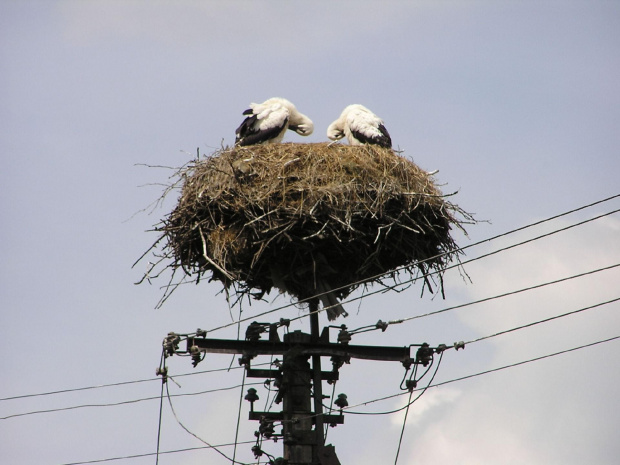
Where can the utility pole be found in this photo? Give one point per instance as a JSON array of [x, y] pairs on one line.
[[299, 384]]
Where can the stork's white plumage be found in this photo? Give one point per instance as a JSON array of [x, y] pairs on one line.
[[266, 122], [360, 126]]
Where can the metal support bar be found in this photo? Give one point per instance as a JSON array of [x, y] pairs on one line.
[[278, 416], [328, 349], [259, 373]]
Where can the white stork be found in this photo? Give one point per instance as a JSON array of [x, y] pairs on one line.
[[360, 126], [266, 122]]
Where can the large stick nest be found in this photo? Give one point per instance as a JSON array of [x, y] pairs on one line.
[[287, 215]]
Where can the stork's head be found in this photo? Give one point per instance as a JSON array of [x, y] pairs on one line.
[[335, 130], [301, 124]]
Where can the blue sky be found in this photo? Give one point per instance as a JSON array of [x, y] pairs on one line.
[[517, 104]]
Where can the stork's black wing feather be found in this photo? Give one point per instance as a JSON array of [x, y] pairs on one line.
[[247, 134], [245, 128], [386, 140], [383, 140]]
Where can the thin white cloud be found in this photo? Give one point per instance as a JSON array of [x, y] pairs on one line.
[[426, 405]]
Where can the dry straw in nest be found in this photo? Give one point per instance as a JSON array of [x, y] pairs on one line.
[[289, 215]]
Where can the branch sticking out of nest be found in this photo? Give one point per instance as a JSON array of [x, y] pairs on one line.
[[291, 215]]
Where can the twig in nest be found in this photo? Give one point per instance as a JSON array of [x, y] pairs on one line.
[[206, 257]]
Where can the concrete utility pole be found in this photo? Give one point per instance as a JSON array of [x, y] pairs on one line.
[[299, 384]]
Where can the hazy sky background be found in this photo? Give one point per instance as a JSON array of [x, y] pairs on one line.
[[517, 104]]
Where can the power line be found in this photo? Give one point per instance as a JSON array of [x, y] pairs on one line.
[[389, 412], [85, 388], [392, 322], [239, 417], [526, 361], [537, 223], [351, 300], [408, 281], [503, 332], [518, 244], [422, 276], [409, 402], [486, 299], [348, 409], [163, 370], [458, 249], [122, 383], [462, 378], [256, 384], [506, 294], [370, 401], [545, 320], [114, 404], [150, 454], [477, 258], [198, 437]]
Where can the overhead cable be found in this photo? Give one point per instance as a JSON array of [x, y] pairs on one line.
[[462, 378], [416, 278], [366, 402], [150, 454], [215, 448], [122, 383], [505, 294], [133, 401]]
